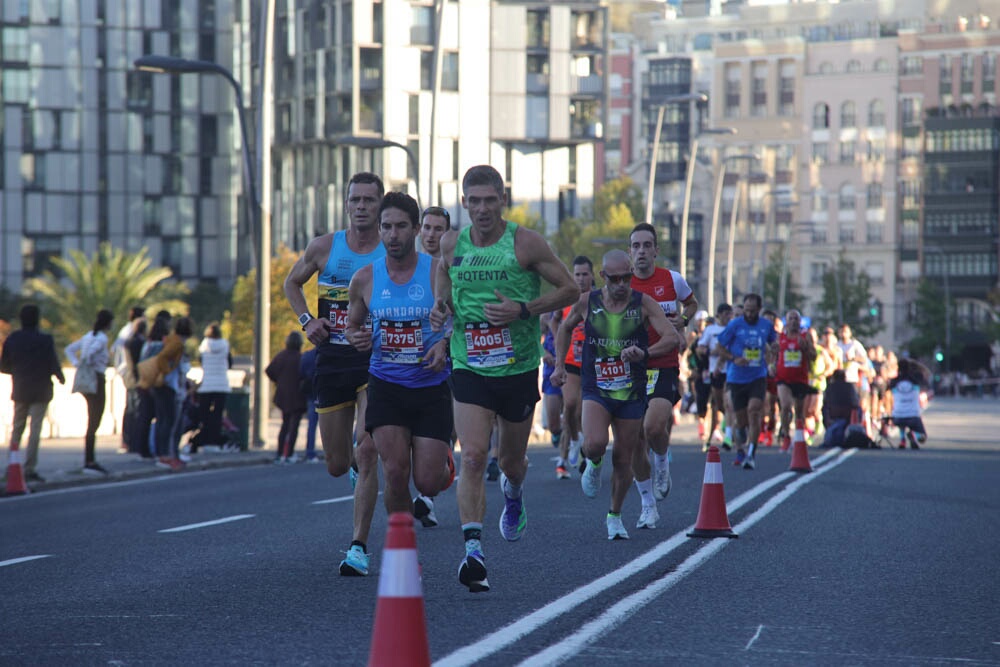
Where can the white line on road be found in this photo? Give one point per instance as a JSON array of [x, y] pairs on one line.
[[205, 524], [328, 501], [510, 634], [756, 635], [23, 559], [618, 613]]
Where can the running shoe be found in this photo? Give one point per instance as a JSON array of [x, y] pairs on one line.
[[590, 481], [648, 517], [717, 436], [561, 472], [705, 445], [786, 443], [492, 470], [902, 444], [661, 482], [574, 450], [740, 458], [94, 468], [514, 518], [355, 564], [616, 529], [472, 569], [913, 440], [352, 472], [727, 445], [423, 511], [749, 463]]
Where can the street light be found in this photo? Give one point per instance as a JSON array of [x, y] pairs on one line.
[[713, 235], [687, 191], [375, 142], [673, 99], [260, 227]]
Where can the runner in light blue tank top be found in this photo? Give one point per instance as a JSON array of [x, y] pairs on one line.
[[402, 332]]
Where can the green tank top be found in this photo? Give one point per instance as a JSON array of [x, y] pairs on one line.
[[477, 345]]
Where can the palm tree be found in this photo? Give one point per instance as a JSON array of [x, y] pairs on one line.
[[112, 279]]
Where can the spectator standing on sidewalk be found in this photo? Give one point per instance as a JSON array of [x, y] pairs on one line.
[[138, 408], [119, 357], [307, 373], [216, 361], [283, 371], [29, 357], [90, 355]]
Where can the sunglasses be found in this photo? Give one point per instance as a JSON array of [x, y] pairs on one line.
[[617, 278], [436, 210]]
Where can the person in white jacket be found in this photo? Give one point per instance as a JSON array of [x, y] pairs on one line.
[[214, 388], [90, 354]]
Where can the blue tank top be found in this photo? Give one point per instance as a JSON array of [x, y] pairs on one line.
[[337, 354], [401, 327]]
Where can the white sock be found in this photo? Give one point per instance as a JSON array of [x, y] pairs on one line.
[[646, 492], [661, 461], [510, 489]]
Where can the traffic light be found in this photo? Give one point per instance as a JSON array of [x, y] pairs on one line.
[[875, 309], [938, 355]]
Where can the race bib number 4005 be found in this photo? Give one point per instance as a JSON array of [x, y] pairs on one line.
[[488, 346]]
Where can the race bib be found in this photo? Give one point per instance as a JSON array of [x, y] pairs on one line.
[[333, 306], [577, 351], [793, 358], [401, 342], [652, 375], [488, 346], [613, 374], [752, 355]]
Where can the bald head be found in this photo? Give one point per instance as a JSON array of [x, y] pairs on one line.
[[616, 261]]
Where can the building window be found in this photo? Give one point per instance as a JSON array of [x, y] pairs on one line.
[[881, 65], [537, 74], [846, 234], [944, 87], [817, 270], [422, 25], [15, 44], [848, 115], [732, 101], [426, 70], [820, 152], [909, 194], [786, 89], [875, 150], [847, 152], [874, 233], [876, 114], [33, 171], [449, 70], [414, 124], [821, 116], [875, 270], [873, 195], [845, 197], [911, 66], [16, 86], [911, 110], [853, 66], [758, 90], [825, 68], [820, 201], [538, 29], [989, 72], [968, 72]]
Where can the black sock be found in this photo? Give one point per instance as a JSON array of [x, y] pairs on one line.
[[472, 533], [359, 543]]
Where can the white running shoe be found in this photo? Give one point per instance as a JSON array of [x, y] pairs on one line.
[[616, 529], [648, 517], [661, 482], [423, 511], [590, 481]]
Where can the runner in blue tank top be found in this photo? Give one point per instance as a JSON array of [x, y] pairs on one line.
[[409, 403], [342, 371]]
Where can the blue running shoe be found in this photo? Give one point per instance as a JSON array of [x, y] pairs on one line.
[[741, 456], [355, 564], [472, 569], [514, 518]]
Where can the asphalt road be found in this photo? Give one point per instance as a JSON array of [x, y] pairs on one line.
[[882, 557]]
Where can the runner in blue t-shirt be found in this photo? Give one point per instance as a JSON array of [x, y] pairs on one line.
[[748, 342]]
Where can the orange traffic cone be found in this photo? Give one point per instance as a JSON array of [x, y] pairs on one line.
[[15, 473], [400, 634], [800, 451], [713, 521]]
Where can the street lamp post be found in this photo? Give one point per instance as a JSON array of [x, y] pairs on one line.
[[688, 181], [673, 99], [714, 233], [260, 227]]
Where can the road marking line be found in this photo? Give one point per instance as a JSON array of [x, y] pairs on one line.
[[510, 634], [204, 524], [618, 613], [754, 638], [342, 499], [23, 559]]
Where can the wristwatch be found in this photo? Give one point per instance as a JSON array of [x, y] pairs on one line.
[[525, 313], [304, 319], [684, 319]]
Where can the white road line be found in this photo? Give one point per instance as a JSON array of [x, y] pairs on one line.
[[23, 559], [205, 524], [510, 634], [618, 613], [328, 501], [756, 635]]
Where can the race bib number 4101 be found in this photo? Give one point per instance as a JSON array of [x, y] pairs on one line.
[[613, 374], [488, 346]]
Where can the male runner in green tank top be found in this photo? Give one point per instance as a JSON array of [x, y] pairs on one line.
[[490, 280]]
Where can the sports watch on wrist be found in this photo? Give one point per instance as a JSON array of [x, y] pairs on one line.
[[304, 319]]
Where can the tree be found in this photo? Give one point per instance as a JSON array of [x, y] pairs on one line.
[[523, 216], [238, 326], [929, 321], [620, 192], [112, 279], [845, 299], [772, 285]]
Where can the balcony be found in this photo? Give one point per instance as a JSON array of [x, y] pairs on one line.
[[587, 85]]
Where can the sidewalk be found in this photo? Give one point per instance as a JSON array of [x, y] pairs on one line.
[[60, 460]]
